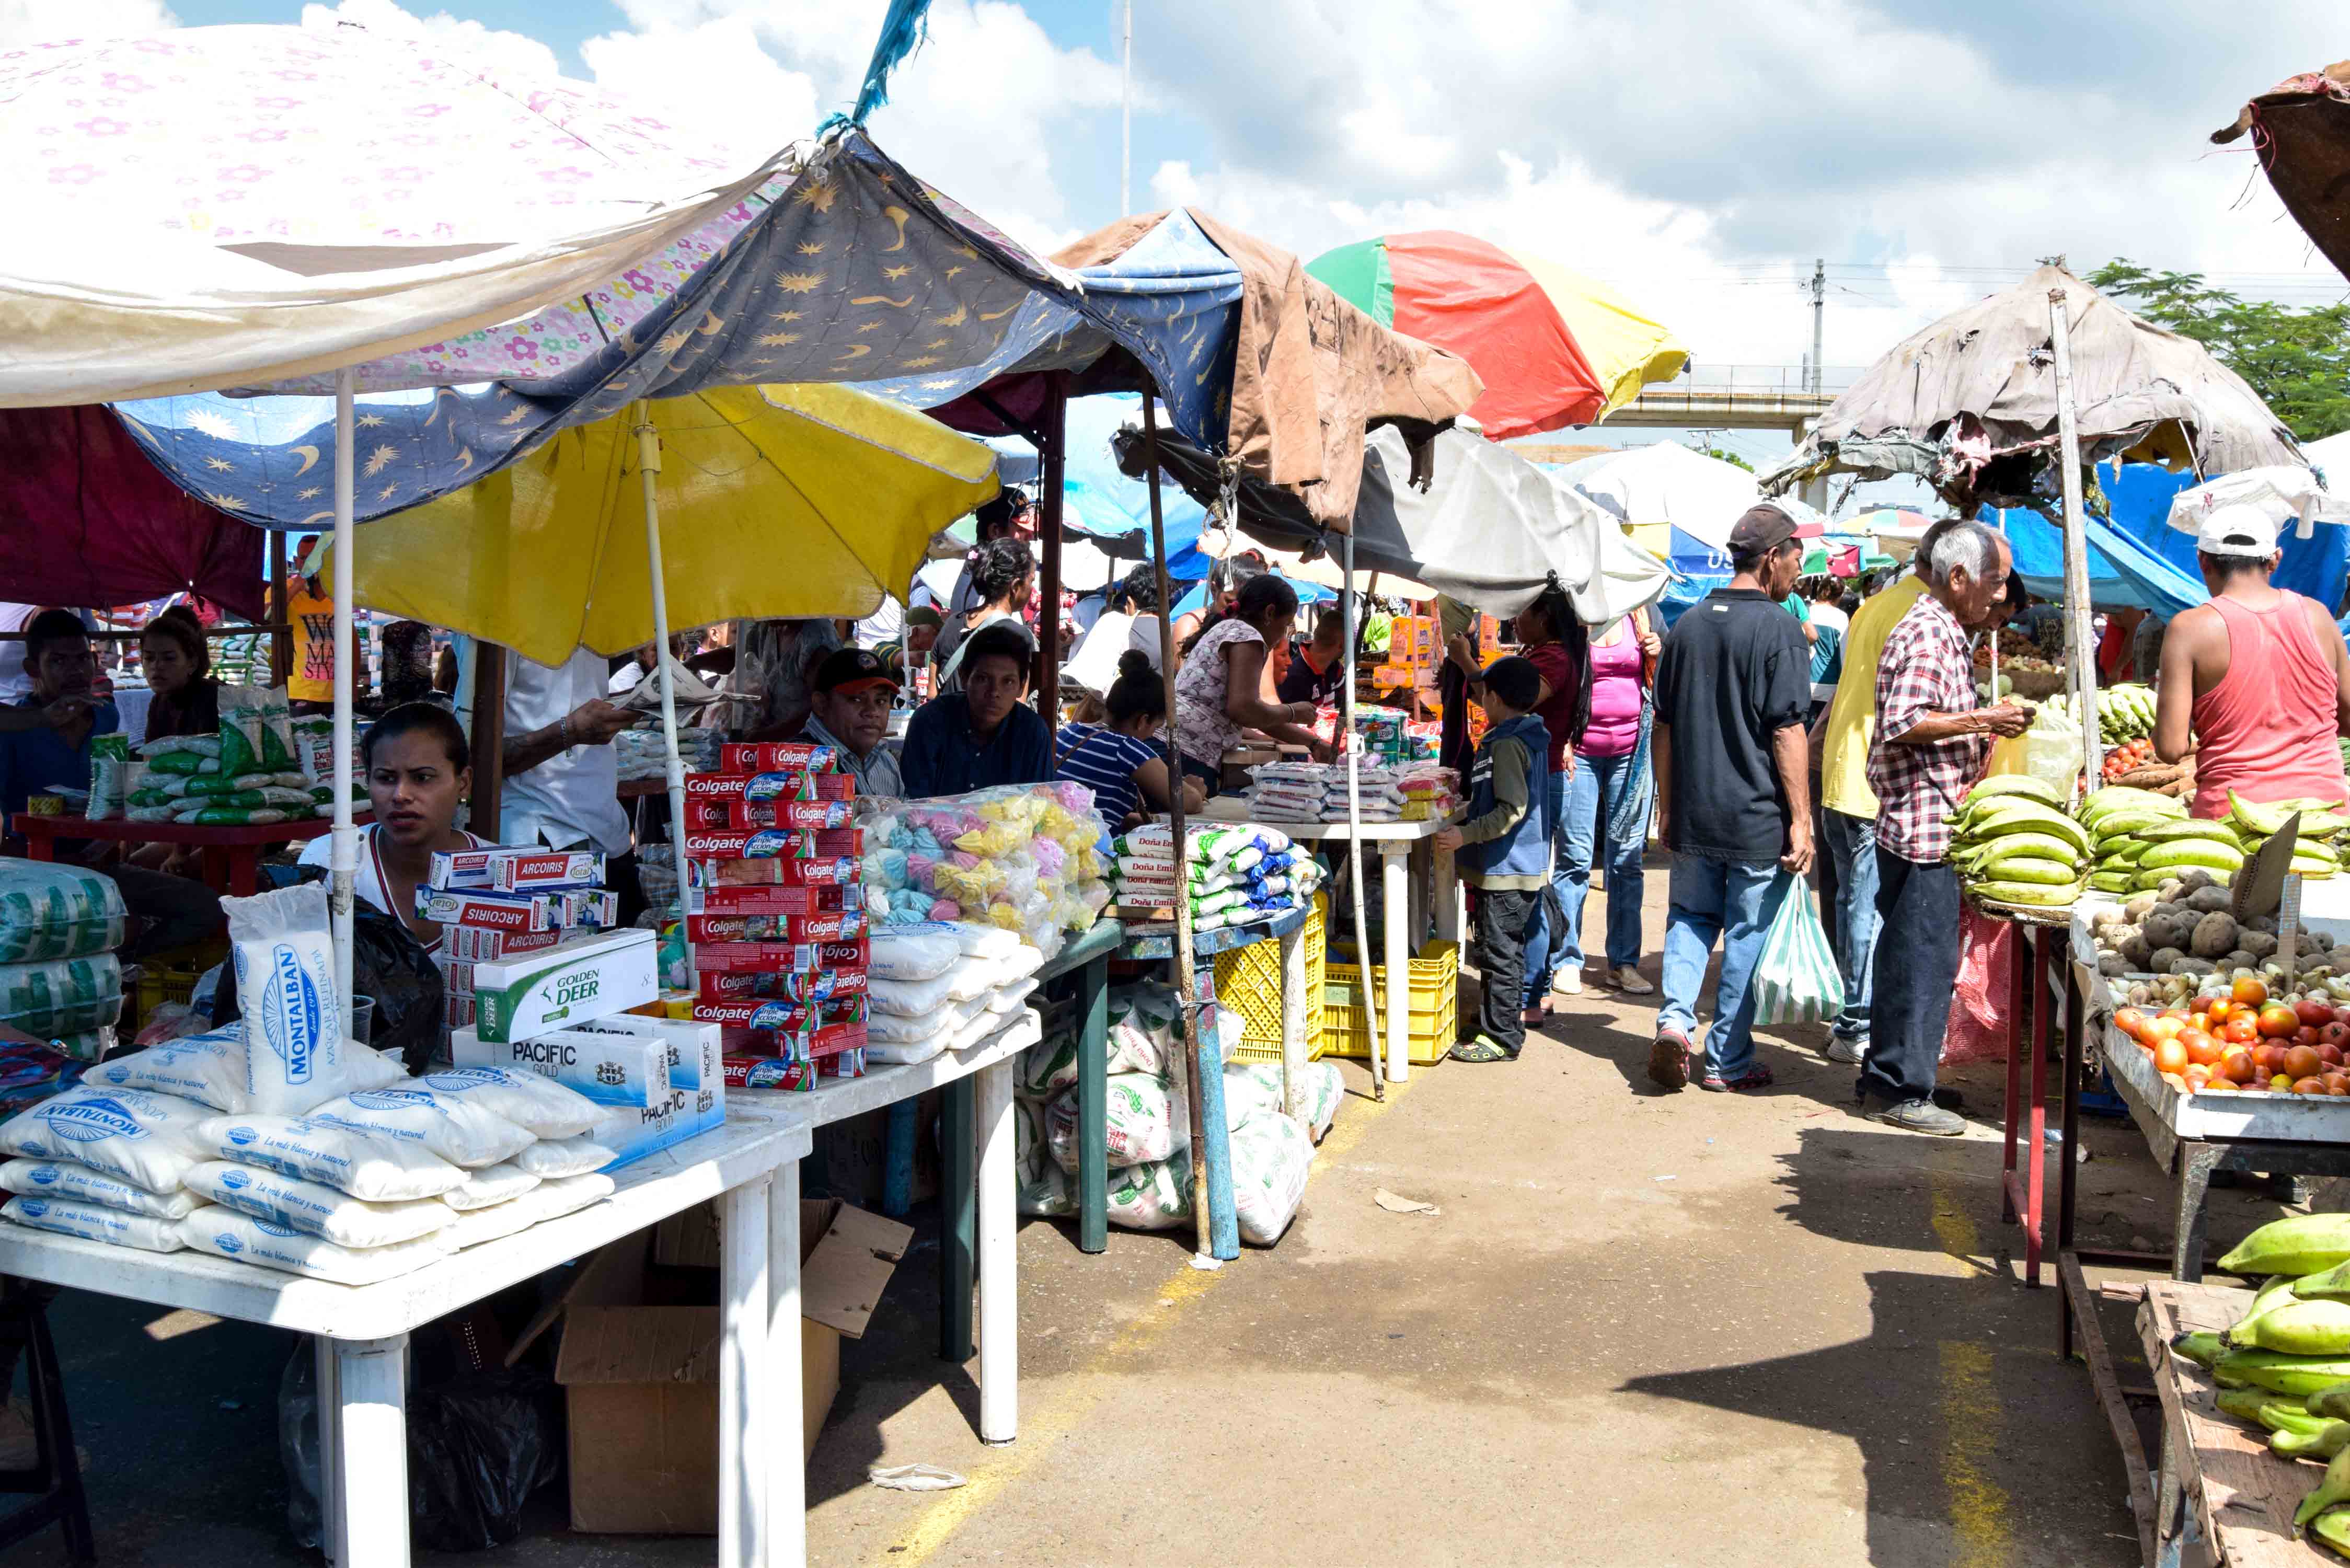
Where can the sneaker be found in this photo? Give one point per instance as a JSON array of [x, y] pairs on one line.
[[1483, 1048], [1849, 1051], [1758, 1076], [1566, 983], [1627, 979], [1920, 1117], [1669, 1060]]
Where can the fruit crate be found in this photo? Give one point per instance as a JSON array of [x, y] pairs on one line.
[[1248, 981], [164, 977], [1434, 1006]]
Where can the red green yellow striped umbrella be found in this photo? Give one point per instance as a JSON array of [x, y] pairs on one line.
[[1554, 347]]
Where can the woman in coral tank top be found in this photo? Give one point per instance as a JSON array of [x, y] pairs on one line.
[[2261, 674]]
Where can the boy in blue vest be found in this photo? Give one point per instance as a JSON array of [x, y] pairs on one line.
[[1503, 852]]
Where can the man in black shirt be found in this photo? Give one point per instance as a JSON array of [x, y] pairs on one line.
[[1315, 668], [1733, 795]]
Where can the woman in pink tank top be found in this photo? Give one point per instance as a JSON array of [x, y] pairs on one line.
[[2269, 730]]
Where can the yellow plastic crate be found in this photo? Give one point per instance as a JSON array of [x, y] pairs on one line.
[[1248, 981], [1434, 1006]]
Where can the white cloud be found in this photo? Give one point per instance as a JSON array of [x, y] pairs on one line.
[[511, 54], [54, 21]]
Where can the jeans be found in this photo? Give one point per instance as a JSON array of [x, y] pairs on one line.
[[1498, 943], [1579, 807], [1851, 924], [1732, 900], [1917, 971]]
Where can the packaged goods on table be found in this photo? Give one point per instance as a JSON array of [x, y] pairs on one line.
[[1317, 792], [260, 766], [1233, 874], [1025, 858], [497, 904], [57, 912], [944, 985]]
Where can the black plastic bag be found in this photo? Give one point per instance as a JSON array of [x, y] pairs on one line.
[[478, 1446]]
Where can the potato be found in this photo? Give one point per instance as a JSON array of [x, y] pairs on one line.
[[2214, 934], [2141, 994], [2140, 907], [2240, 960], [2193, 880], [2113, 966], [2166, 960], [2192, 966], [2317, 941], [2136, 950], [2264, 923], [2209, 900], [2171, 931], [2259, 944]]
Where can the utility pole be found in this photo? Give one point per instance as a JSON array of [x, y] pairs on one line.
[[1125, 114], [1819, 318]]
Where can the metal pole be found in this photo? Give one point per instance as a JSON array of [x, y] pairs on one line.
[[648, 466], [1819, 319], [1126, 113], [344, 860], [2078, 645], [1374, 1036], [1051, 468]]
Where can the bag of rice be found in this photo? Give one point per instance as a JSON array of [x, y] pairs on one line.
[[908, 998], [459, 1130], [548, 1200], [538, 1105], [550, 1159], [314, 748], [252, 731], [313, 1207], [61, 996], [1145, 1124], [93, 1224], [110, 777], [232, 817], [151, 1141], [56, 911], [1271, 1158], [903, 1052], [1155, 1196], [491, 1184], [380, 1171], [241, 1237], [1049, 1194], [895, 1029], [285, 981], [80, 1184], [211, 1069]]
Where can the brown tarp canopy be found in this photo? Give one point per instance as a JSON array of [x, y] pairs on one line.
[[2301, 133]]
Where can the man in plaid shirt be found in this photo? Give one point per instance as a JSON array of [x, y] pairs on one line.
[[1932, 740]]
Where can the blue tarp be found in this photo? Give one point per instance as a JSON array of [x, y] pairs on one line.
[[2122, 573], [856, 272], [2140, 494]]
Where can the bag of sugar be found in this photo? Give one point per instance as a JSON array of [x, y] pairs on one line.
[[93, 1224], [80, 1184], [550, 1159], [538, 1105], [149, 1140], [286, 982], [313, 1207], [459, 1129], [241, 1237], [548, 1200], [381, 1170], [212, 1069], [492, 1184]]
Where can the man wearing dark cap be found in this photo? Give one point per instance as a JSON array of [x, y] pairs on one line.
[[1733, 795], [848, 710]]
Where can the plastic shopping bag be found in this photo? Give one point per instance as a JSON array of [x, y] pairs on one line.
[[1795, 982]]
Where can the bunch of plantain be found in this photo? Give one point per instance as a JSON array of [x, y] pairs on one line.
[[2125, 713], [2013, 843], [2314, 854], [2113, 818]]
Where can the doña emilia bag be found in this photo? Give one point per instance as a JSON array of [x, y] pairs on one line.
[[1795, 982]]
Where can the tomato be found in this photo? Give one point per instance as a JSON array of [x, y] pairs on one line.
[[2238, 1065], [2304, 1035], [2342, 1015], [2163, 1028], [2219, 1083], [2333, 1034], [2277, 1020], [2309, 1086], [2201, 1049], [2269, 1058], [2132, 1022], [2330, 1054], [2242, 1029], [2171, 1057], [2281, 1083], [2300, 1062], [2314, 1013], [2250, 991], [2222, 1010]]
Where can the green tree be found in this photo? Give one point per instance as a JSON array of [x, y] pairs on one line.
[[2297, 360]]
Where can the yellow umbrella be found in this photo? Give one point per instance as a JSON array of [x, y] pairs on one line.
[[802, 500]]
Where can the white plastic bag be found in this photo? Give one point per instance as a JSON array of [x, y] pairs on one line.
[[382, 1170], [286, 983], [538, 1104], [548, 1200], [1145, 1125], [313, 1207], [458, 1131], [908, 998], [550, 1159], [55, 911], [241, 1237], [912, 952], [902, 1053], [1252, 1089], [890, 1029], [94, 1222], [211, 1070], [149, 1140], [1271, 1158], [1155, 1196], [80, 1184], [491, 1184]]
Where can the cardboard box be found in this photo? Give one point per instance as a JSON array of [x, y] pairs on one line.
[[827, 871], [757, 900], [775, 757], [773, 844], [720, 788], [835, 926], [801, 814], [629, 1070], [514, 868], [592, 975], [782, 958], [641, 1380], [489, 910], [474, 944]]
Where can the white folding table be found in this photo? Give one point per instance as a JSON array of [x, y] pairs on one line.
[[361, 1331]]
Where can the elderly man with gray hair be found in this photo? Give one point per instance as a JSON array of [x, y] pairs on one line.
[[1931, 744]]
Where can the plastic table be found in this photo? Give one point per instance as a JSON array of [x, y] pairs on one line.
[[361, 1331], [232, 855]]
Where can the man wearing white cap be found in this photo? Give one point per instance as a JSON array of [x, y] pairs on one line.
[[2260, 676]]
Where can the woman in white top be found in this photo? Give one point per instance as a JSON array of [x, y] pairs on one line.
[[419, 768], [1220, 687]]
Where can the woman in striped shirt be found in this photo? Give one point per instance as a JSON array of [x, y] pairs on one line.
[[1120, 760]]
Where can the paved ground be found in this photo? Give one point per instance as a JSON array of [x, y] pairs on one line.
[[1695, 1329]]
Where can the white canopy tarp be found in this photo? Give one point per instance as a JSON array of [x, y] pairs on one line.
[[1665, 481], [2285, 493], [216, 207]]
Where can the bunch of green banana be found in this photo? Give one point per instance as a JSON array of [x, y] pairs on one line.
[[2297, 1245], [2125, 713], [2315, 845], [2114, 817], [2296, 1431], [2012, 843]]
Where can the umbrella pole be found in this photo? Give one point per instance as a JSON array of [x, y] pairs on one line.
[[2078, 646], [648, 466], [1204, 1063], [1374, 1039], [345, 859]]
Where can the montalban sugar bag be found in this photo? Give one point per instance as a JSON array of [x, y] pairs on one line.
[[241, 1237], [315, 1209], [79, 1184], [539, 1105], [380, 1171], [548, 1200], [151, 1141], [286, 982], [459, 1130], [550, 1159], [211, 1069], [93, 1224], [491, 1184]]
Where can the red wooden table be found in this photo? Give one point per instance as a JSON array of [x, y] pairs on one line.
[[232, 855]]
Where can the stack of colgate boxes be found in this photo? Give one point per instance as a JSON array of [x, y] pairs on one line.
[[497, 904], [774, 914]]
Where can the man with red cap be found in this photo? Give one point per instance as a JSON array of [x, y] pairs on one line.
[[850, 700]]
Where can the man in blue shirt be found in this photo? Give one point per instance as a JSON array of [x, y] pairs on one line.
[[983, 734], [45, 741]]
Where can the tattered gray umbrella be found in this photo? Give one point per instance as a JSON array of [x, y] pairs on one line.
[[1970, 404]]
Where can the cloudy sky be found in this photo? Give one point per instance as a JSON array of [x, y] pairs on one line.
[[1698, 154]]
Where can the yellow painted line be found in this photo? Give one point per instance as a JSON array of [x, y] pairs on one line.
[[1970, 1409], [1042, 1432]]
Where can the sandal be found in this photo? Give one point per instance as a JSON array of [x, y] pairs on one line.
[[1534, 1017], [1758, 1076], [1483, 1048]]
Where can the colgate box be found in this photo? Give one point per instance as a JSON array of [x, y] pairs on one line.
[[831, 872], [785, 1012], [782, 958], [515, 871], [840, 926], [788, 1016], [720, 788], [489, 911], [757, 900], [776, 757], [799, 985], [750, 1071], [767, 1036], [773, 844], [748, 813]]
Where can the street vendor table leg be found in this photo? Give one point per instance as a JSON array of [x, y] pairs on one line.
[[955, 1219], [2197, 1161], [370, 1463], [1447, 876], [40, 847], [326, 1365], [787, 1477], [1417, 869], [2019, 1002], [2039, 947], [1394, 916], [745, 1396], [1093, 1107], [244, 871], [2069, 1159], [999, 1267], [1293, 1024], [214, 857]]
